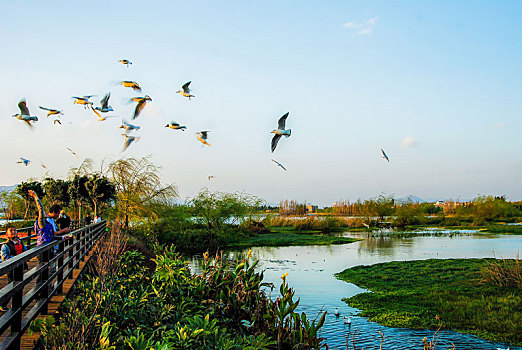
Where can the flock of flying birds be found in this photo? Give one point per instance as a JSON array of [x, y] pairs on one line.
[[141, 101]]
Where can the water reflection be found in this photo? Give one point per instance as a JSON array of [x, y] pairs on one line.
[[311, 272]]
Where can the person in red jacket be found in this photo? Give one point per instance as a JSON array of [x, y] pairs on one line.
[[11, 248]]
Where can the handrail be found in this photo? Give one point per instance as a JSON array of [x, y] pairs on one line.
[[51, 272], [30, 240]]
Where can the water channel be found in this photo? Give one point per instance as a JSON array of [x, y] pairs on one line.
[[311, 272]]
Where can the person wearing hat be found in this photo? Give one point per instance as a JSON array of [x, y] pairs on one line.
[[63, 221]]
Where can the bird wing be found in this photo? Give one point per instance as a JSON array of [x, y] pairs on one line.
[[281, 165], [96, 112], [127, 143], [384, 154], [86, 97], [47, 109], [57, 121], [139, 108], [204, 135], [23, 107], [72, 152], [186, 88], [28, 121], [174, 123], [275, 140], [282, 121], [105, 101]]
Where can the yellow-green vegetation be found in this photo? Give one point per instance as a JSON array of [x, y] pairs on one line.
[[283, 238], [130, 301], [477, 296], [317, 224]]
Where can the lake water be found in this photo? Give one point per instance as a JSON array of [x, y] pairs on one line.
[[311, 272]]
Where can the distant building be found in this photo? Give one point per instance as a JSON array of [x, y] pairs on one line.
[[311, 209], [449, 206]]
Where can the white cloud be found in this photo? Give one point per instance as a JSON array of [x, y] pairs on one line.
[[365, 31], [372, 21], [350, 25], [363, 28], [409, 141]]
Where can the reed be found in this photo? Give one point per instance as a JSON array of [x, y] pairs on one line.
[[504, 273]]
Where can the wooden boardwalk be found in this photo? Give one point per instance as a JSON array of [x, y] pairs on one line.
[[28, 342]]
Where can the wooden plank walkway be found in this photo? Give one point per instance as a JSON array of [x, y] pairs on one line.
[[27, 341]]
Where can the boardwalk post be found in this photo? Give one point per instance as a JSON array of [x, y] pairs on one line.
[[71, 256], [59, 264], [44, 279], [16, 305]]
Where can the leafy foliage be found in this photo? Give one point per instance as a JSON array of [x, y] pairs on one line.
[[139, 187], [224, 307], [57, 191], [101, 191], [219, 208]]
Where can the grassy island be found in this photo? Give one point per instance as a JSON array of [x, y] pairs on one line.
[[477, 296]]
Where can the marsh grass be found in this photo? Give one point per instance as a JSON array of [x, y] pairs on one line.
[[504, 273], [409, 294], [323, 224]]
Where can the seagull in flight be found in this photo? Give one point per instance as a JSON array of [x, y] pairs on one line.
[[186, 91], [125, 62], [128, 141], [132, 84], [202, 137], [142, 101], [74, 153], [175, 126], [84, 100], [280, 131], [51, 111], [24, 161], [104, 104], [279, 164], [128, 127], [385, 156], [24, 114]]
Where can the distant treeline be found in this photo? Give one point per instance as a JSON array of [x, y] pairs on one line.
[[478, 211]]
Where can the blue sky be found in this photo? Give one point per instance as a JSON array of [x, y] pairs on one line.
[[437, 84]]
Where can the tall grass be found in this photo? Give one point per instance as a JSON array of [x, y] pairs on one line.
[[325, 224], [504, 273]]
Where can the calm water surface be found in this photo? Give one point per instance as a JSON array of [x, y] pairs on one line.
[[311, 272]]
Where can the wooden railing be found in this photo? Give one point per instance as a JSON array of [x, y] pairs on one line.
[[30, 239], [54, 267]]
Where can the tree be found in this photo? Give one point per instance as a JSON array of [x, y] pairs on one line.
[[101, 191], [57, 191], [13, 204], [384, 206], [78, 192], [219, 208], [138, 187], [22, 190]]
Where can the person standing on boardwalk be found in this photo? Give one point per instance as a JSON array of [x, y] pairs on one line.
[[45, 228], [63, 221], [88, 219], [11, 248]]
